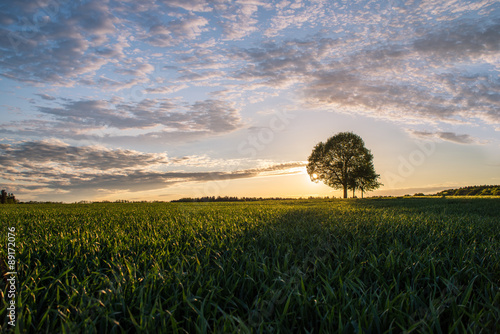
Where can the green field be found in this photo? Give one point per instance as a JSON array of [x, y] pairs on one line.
[[306, 266]]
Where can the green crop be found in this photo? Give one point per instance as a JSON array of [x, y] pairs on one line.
[[306, 266]]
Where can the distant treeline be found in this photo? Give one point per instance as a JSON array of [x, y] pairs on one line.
[[230, 199], [472, 191]]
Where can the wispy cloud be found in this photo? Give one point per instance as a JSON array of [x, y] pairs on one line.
[[446, 136]]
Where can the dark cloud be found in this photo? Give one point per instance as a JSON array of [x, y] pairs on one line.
[[446, 136], [55, 42], [461, 40], [6, 19], [217, 116], [46, 97], [57, 166], [210, 115], [34, 153]]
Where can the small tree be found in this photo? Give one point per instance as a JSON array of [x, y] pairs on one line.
[[341, 162]]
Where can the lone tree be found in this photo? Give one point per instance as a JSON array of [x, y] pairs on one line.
[[343, 161]]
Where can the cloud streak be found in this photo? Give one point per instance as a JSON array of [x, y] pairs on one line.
[[446, 136], [58, 167]]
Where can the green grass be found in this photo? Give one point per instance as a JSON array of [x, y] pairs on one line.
[[311, 266]]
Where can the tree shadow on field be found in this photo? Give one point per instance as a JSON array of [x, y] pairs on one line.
[[295, 230], [287, 254]]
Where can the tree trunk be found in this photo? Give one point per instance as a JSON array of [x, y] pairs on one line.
[[353, 194], [344, 172]]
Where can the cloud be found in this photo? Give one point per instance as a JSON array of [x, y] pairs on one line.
[[116, 85], [166, 89], [280, 169], [239, 17], [49, 46], [46, 97], [408, 62], [446, 136], [159, 119], [208, 115], [95, 18], [189, 5], [408, 81], [460, 41], [205, 77], [36, 153], [296, 15], [55, 166], [137, 69], [6, 19], [217, 116], [176, 31]]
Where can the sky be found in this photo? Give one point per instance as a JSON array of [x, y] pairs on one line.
[[159, 100]]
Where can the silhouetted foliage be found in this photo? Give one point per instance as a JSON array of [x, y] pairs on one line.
[[364, 177], [229, 199], [343, 161], [7, 198], [485, 190]]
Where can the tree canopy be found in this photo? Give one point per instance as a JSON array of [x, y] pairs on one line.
[[344, 162]]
